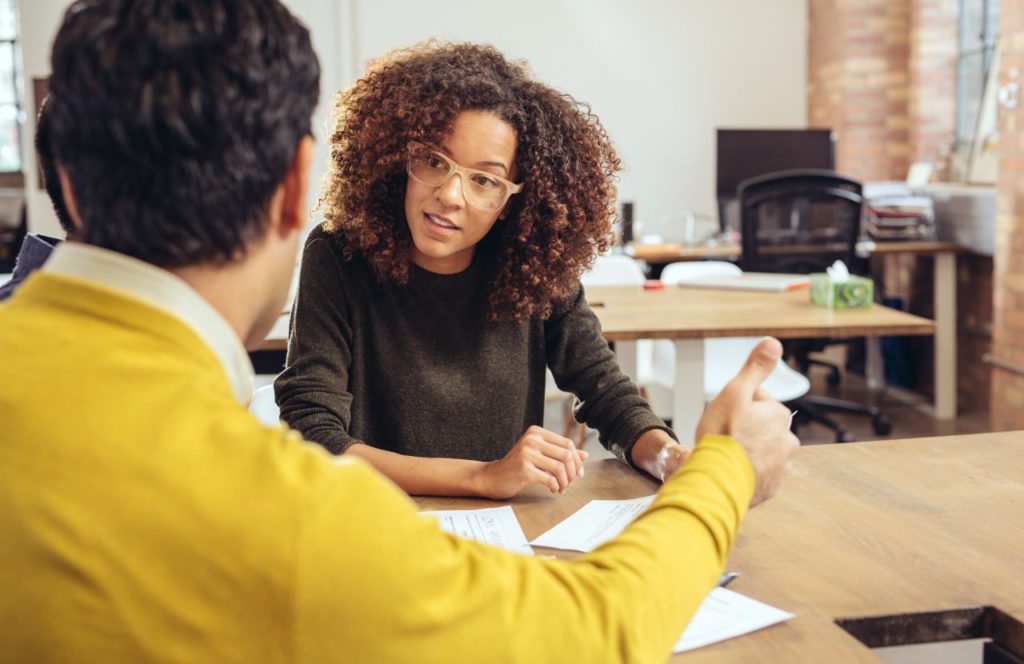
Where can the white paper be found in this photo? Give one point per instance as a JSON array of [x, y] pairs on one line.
[[593, 524], [496, 526], [725, 614]]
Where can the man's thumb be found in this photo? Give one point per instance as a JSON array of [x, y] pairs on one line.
[[759, 365]]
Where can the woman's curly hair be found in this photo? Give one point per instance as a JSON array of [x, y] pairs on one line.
[[550, 232]]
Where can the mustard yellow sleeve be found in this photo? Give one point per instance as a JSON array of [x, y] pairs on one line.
[[376, 581]]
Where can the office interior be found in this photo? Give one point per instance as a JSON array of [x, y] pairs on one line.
[[896, 83]]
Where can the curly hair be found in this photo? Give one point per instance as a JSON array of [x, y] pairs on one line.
[[548, 235]]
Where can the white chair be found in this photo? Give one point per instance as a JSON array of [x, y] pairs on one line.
[[722, 357], [614, 270], [264, 407]]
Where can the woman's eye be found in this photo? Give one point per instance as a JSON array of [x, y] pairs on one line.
[[435, 161], [484, 181]]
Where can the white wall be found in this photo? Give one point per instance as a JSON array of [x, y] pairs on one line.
[[661, 74], [39, 22], [41, 18]]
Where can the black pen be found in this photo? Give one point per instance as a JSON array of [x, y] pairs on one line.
[[727, 578]]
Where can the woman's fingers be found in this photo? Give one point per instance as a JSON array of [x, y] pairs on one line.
[[556, 468], [572, 456]]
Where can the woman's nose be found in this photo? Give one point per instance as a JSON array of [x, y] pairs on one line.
[[450, 192]]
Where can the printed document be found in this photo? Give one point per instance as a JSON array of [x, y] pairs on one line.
[[725, 614], [593, 524], [496, 526]]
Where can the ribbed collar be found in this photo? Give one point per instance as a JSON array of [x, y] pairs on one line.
[[162, 290]]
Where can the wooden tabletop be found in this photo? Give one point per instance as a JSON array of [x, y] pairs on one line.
[[670, 253], [860, 529], [677, 312]]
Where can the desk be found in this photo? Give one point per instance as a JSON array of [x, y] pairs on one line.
[[943, 293], [860, 529], [688, 316]]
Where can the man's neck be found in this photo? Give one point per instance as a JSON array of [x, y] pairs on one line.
[[226, 290]]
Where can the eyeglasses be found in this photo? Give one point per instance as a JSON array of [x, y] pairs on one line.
[[481, 189]]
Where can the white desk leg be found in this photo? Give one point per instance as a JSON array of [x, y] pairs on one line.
[[625, 355], [945, 336], [688, 391], [874, 371]]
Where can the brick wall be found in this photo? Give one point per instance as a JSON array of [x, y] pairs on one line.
[[857, 83], [932, 77], [1007, 410], [882, 74]]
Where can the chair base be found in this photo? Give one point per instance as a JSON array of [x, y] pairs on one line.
[[813, 408]]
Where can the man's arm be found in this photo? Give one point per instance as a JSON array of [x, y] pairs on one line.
[[377, 582]]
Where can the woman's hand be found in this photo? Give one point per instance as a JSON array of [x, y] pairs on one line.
[[658, 454], [538, 457]]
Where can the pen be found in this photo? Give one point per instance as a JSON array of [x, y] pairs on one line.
[[727, 578]]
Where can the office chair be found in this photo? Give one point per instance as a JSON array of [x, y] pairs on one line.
[[802, 221]]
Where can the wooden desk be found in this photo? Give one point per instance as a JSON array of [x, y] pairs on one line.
[[688, 316], [858, 530], [943, 289]]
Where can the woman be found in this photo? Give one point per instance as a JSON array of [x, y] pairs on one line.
[[463, 202]]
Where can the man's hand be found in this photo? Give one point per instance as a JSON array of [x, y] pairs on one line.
[[538, 457], [759, 423]]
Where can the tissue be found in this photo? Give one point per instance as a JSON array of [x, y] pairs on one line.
[[836, 288]]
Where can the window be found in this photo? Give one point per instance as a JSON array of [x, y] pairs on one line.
[[979, 34], [11, 86]]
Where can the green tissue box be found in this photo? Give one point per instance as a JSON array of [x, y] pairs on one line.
[[857, 293]]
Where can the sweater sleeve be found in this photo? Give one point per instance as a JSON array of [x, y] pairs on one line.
[[312, 391], [582, 363], [386, 584]]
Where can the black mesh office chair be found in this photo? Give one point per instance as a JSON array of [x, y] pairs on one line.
[[801, 222]]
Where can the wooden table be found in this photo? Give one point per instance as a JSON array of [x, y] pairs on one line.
[[943, 294], [858, 530], [688, 316]]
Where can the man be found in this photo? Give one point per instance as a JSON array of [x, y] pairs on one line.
[[36, 247], [146, 515]]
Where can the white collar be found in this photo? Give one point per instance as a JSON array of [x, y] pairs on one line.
[[162, 290]]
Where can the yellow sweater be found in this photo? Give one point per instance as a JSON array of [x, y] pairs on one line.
[[146, 516]]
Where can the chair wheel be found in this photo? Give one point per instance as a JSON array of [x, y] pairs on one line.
[[881, 425], [833, 377], [844, 436]]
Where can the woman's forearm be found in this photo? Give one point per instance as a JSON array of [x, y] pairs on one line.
[[423, 476]]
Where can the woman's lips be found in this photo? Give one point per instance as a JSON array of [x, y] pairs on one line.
[[439, 224]]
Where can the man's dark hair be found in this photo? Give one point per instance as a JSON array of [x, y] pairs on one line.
[[48, 168], [176, 120]]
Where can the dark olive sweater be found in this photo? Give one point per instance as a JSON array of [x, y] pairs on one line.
[[418, 369]]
